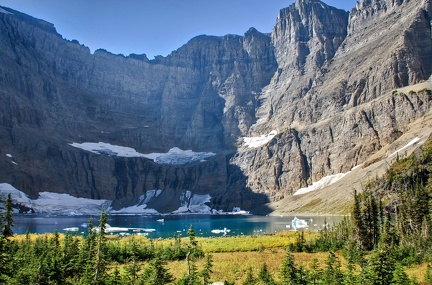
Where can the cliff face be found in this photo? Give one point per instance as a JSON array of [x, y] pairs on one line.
[[342, 110], [323, 79], [55, 92]]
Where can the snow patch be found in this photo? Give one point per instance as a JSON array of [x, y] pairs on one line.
[[17, 196], [254, 142], [148, 196], [137, 209], [323, 182], [54, 203], [5, 12], [66, 204], [413, 141], [193, 203], [141, 207], [174, 156]]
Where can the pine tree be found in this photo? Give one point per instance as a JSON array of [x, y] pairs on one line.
[[115, 278], [1, 212], [264, 276], [400, 277], [359, 227], [388, 235], [207, 270], [288, 271], [8, 218], [332, 273], [192, 277], [374, 220], [70, 255], [132, 272], [349, 278], [100, 269], [302, 275], [315, 272], [428, 274], [156, 273], [250, 278], [2, 261], [380, 267]]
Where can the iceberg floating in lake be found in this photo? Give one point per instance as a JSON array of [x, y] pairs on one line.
[[72, 229], [297, 223], [224, 231]]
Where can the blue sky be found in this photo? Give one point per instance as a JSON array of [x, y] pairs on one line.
[[154, 27]]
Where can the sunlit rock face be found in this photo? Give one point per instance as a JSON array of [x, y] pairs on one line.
[[332, 114], [312, 99]]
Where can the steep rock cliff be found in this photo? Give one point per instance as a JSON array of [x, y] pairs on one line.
[[201, 97], [342, 110], [324, 79]]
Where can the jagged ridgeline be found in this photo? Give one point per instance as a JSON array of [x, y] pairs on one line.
[[222, 122]]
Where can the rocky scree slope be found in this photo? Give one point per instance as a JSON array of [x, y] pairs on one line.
[[324, 79]]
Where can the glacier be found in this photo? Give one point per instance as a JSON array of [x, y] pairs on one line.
[[65, 204], [175, 156]]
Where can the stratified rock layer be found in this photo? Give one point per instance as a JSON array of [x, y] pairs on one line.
[[324, 79]]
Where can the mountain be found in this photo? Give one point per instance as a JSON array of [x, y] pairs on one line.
[[313, 99]]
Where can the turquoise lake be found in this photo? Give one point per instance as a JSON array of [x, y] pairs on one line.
[[179, 224]]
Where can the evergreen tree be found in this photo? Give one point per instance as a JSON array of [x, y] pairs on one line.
[[288, 271], [315, 272], [302, 275], [194, 250], [192, 237], [349, 277], [300, 243], [400, 277], [132, 272], [332, 273], [115, 278], [100, 269], [380, 267], [207, 270], [2, 261], [156, 273], [8, 218], [359, 227], [250, 278], [70, 255], [264, 276], [1, 213], [388, 236], [428, 274], [192, 277], [55, 268]]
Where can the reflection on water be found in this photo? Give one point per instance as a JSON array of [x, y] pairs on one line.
[[166, 226]]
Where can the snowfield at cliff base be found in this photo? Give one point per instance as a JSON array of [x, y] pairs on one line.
[[174, 156], [65, 204], [331, 179]]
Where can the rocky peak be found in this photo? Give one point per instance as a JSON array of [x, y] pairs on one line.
[[307, 34], [366, 9], [328, 94]]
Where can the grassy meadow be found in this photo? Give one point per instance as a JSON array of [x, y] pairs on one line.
[[234, 255]]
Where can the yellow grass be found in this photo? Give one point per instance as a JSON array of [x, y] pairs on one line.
[[232, 256]]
